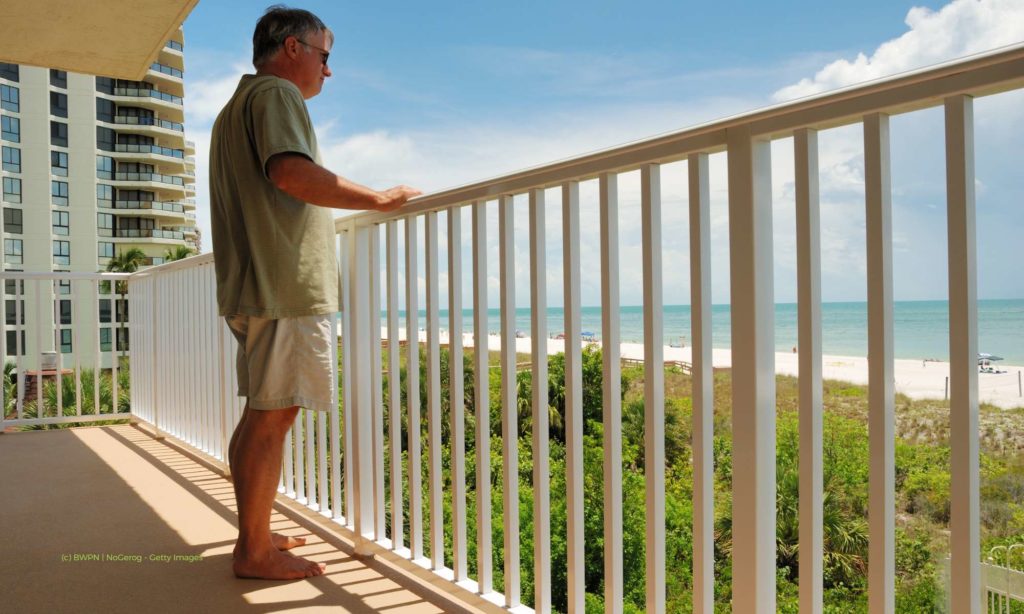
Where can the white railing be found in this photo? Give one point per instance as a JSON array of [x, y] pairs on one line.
[[184, 381], [182, 358], [747, 141], [56, 333]]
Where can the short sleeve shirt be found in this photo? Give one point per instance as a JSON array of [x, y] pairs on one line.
[[274, 254]]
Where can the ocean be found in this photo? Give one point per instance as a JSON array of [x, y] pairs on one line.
[[921, 328]]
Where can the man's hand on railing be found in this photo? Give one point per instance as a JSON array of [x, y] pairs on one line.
[[395, 197]]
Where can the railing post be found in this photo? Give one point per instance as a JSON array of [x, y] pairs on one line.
[[361, 414], [654, 385], [808, 237], [412, 386], [509, 405], [377, 392], [574, 478], [156, 372], [436, 504], [963, 351], [881, 393], [481, 396], [456, 394], [539, 378], [394, 389], [703, 386], [753, 372], [611, 411]]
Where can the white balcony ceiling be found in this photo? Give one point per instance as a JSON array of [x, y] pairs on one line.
[[116, 38]]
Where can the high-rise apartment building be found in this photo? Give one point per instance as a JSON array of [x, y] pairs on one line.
[[92, 166]]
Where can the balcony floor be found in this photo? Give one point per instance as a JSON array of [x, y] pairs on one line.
[[115, 490]]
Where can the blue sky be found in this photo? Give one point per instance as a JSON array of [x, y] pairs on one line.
[[439, 94]]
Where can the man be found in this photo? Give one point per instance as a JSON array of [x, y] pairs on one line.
[[277, 277]]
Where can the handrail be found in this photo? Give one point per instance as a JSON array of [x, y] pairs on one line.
[[65, 275], [981, 75], [176, 265]]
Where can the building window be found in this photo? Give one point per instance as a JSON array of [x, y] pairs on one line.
[[105, 85], [136, 223], [105, 250], [12, 159], [59, 193], [105, 138], [12, 343], [10, 129], [58, 78], [11, 286], [62, 253], [104, 339], [135, 139], [65, 312], [58, 134], [12, 190], [11, 312], [105, 110], [121, 308], [65, 340], [12, 221], [13, 251], [137, 112], [63, 286], [104, 167], [9, 71], [141, 196], [60, 221], [122, 340], [10, 98], [105, 196], [105, 310], [105, 222], [59, 163], [58, 104]]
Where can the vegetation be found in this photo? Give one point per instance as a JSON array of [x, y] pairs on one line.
[[88, 379], [179, 252], [922, 481], [127, 261]]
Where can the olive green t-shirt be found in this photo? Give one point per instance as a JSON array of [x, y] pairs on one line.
[[274, 254]]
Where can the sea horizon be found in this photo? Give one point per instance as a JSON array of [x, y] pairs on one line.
[[920, 327]]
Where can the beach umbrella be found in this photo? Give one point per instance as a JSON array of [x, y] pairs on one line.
[[986, 356]]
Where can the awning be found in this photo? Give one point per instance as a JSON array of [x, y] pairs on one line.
[[114, 38]]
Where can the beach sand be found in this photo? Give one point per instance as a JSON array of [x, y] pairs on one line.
[[915, 378]]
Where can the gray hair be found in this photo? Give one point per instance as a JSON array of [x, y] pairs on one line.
[[277, 24]]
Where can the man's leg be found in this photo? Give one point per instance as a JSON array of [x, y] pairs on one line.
[[256, 469], [280, 541]]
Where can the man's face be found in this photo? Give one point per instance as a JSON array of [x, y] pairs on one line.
[[312, 64]]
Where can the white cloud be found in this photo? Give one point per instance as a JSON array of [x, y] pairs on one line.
[[962, 27], [447, 154]]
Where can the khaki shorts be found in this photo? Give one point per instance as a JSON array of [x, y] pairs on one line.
[[285, 362]]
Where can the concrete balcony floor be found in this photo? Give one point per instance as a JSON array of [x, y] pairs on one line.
[[115, 490]]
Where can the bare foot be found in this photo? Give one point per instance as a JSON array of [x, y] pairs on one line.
[[280, 541], [276, 565]]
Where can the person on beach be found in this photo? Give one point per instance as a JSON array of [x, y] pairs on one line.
[[277, 276]]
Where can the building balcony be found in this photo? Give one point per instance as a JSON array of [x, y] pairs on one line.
[[414, 500], [149, 233], [138, 123], [146, 98], [156, 182], [166, 212], [165, 159]]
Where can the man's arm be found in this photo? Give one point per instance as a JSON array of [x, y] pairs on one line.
[[308, 181]]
